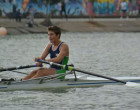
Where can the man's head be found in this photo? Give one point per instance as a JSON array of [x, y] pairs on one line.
[[54, 34], [55, 29]]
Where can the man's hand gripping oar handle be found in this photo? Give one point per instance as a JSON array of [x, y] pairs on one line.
[[69, 68]]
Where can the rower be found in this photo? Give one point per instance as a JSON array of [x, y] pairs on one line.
[[59, 53]]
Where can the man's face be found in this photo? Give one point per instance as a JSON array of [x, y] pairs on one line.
[[52, 36]]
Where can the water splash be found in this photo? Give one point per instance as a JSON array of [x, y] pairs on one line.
[[132, 84]]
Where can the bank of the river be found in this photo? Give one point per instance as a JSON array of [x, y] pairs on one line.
[[74, 25]]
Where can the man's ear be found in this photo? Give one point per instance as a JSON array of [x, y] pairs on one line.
[[58, 35]]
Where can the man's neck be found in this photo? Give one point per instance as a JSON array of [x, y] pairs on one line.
[[57, 43]]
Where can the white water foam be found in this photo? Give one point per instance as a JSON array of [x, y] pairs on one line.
[[132, 84]]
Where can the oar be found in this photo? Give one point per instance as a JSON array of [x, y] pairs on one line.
[[19, 72], [70, 68], [15, 68]]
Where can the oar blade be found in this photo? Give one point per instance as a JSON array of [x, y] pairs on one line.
[[132, 84]]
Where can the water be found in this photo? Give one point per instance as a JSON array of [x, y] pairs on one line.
[[110, 54]]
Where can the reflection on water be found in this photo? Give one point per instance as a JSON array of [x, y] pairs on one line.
[[110, 54]]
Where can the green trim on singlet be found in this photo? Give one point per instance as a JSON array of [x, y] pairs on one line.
[[64, 62]]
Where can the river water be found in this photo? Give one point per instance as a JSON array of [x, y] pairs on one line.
[[110, 54]]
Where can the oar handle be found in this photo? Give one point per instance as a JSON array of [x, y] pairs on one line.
[[50, 63], [17, 67], [66, 67]]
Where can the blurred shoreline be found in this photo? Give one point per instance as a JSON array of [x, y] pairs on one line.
[[73, 25]]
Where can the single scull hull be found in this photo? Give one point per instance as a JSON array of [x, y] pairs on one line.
[[39, 84]]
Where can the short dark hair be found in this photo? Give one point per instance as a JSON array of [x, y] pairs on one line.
[[55, 29]]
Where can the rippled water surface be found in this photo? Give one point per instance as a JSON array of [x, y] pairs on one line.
[[110, 54]]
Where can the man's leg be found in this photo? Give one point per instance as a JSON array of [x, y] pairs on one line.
[[44, 72], [33, 73]]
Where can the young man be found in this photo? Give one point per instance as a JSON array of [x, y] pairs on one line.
[[59, 53]]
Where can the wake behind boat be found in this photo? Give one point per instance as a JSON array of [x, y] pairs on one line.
[[50, 82]]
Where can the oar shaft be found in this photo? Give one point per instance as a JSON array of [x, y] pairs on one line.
[[15, 68], [82, 71], [20, 72], [90, 73]]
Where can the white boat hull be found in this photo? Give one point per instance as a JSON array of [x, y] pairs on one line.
[[39, 84]]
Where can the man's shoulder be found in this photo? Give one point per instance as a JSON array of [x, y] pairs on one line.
[[65, 44], [49, 45]]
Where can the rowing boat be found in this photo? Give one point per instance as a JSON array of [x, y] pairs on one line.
[[68, 82], [56, 81]]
